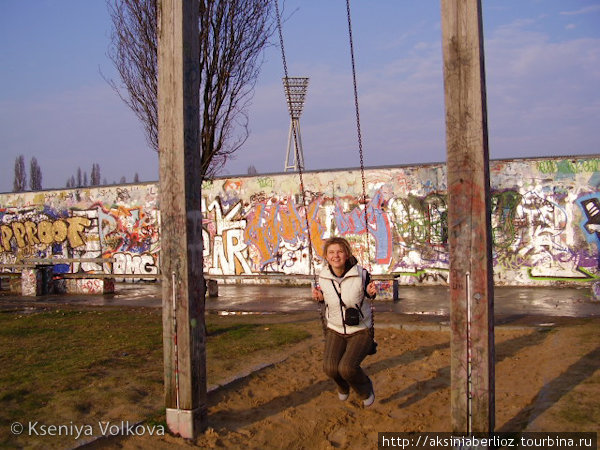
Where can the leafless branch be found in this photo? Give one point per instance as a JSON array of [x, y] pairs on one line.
[[233, 35]]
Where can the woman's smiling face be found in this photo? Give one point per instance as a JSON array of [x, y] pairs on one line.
[[336, 257]]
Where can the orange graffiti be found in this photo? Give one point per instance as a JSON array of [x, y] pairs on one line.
[[269, 226]]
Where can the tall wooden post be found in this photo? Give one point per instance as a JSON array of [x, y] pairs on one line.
[[469, 223], [181, 217]]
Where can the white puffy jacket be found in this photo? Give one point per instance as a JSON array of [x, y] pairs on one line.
[[352, 289]]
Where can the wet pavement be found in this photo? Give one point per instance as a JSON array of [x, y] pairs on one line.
[[430, 301]]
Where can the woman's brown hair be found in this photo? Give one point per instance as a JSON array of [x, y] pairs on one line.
[[342, 243]]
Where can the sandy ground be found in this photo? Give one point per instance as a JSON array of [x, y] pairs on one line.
[[547, 379]]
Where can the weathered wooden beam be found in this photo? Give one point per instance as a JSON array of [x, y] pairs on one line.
[[469, 223], [67, 260], [181, 217], [285, 277]]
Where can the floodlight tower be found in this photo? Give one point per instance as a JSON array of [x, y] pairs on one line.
[[295, 92]]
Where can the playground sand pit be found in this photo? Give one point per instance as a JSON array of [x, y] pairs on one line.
[[547, 379]]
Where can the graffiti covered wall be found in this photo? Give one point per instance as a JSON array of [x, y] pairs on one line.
[[545, 221], [118, 222]]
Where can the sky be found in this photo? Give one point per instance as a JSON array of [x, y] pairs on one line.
[[542, 61]]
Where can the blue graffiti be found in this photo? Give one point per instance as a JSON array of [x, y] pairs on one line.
[[377, 224], [590, 204]]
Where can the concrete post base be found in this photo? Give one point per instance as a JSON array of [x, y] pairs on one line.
[[187, 423]]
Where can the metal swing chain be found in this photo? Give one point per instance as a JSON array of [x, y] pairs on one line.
[[289, 100], [360, 152]]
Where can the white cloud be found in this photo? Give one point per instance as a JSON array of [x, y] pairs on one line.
[[586, 10], [542, 100], [401, 112], [542, 95]]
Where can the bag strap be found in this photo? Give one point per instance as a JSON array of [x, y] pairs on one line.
[[339, 294], [342, 304]]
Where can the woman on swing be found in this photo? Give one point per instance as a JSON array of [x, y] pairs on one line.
[[347, 291]]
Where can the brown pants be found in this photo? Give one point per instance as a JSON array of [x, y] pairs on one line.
[[342, 358]]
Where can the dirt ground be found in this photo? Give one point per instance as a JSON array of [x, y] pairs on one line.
[[547, 379]]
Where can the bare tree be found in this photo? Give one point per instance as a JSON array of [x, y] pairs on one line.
[[233, 34], [35, 175], [20, 180], [79, 177], [252, 170], [136, 178], [133, 51], [123, 180]]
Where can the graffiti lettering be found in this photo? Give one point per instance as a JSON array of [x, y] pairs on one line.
[[590, 205], [126, 229], [45, 232], [264, 182], [377, 224], [504, 215], [421, 221], [228, 248], [566, 166], [545, 220], [271, 225], [128, 264]]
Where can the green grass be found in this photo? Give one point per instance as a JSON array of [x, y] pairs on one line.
[[48, 354], [84, 364], [241, 339]]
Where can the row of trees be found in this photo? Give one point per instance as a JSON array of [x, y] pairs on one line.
[[35, 176], [20, 180], [233, 35], [82, 179]]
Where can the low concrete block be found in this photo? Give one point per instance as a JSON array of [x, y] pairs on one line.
[[87, 286], [31, 282], [212, 288]]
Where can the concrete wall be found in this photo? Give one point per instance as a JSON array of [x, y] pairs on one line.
[[545, 219], [121, 222]]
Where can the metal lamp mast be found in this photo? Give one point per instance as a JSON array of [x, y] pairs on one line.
[[295, 93]]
